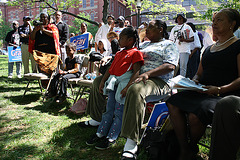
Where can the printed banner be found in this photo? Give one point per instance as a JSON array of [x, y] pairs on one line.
[[14, 54], [81, 41]]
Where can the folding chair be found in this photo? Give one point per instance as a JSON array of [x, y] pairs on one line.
[[47, 64]]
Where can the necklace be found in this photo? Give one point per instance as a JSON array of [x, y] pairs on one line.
[[217, 45]]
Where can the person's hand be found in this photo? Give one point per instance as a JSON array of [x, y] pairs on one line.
[[62, 72], [23, 35], [101, 86], [212, 90], [41, 27], [28, 23], [36, 28], [143, 77], [124, 92], [104, 60], [181, 39]]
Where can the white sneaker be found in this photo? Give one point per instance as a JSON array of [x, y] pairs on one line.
[[10, 77], [19, 76]]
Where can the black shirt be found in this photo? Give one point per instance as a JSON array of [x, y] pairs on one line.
[[23, 30], [70, 64], [13, 37], [63, 32]]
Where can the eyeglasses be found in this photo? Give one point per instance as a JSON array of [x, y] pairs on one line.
[[111, 37]]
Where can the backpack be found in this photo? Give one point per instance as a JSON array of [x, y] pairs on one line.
[[160, 143]]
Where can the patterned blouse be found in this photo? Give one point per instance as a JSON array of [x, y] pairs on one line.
[[156, 54]]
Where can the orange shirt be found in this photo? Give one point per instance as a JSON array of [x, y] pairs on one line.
[[124, 60]]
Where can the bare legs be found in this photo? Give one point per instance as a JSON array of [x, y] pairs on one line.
[[179, 121]]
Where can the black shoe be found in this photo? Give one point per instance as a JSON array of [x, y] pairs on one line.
[[93, 140], [104, 144]]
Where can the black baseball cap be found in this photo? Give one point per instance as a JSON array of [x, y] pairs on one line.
[[26, 17]]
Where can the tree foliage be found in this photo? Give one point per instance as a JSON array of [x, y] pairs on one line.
[[156, 8], [4, 29], [76, 27], [211, 6], [52, 6]]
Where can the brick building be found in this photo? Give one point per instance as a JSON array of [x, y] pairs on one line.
[[89, 7]]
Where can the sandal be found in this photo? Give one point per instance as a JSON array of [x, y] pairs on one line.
[[128, 158], [84, 125]]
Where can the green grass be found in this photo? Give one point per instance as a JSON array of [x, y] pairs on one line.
[[32, 129]]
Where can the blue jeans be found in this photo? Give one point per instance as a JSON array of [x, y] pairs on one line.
[[18, 68], [111, 123]]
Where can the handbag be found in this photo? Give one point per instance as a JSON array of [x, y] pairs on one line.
[[79, 107], [103, 68]]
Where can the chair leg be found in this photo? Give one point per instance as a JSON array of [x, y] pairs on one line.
[[26, 89], [78, 93]]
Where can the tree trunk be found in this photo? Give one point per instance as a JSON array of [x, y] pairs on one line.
[[105, 11]]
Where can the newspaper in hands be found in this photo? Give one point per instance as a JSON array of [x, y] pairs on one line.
[[183, 83]]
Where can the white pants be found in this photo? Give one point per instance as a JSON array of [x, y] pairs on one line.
[[183, 61], [25, 59]]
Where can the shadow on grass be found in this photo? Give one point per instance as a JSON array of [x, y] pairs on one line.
[[56, 109], [27, 99], [72, 141]]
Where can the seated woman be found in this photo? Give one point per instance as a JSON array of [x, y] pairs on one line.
[[219, 71], [45, 37], [71, 70]]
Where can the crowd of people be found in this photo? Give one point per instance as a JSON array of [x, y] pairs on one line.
[[143, 61]]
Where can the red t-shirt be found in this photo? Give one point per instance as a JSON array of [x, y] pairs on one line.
[[124, 59]]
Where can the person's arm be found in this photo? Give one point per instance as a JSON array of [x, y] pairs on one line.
[[182, 39], [74, 70], [104, 79], [198, 75], [33, 33], [136, 70], [161, 70], [46, 31]]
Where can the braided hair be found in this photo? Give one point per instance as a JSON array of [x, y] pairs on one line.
[[159, 24], [130, 31]]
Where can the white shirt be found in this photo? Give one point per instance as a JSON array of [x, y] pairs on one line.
[[196, 43], [102, 34], [187, 32]]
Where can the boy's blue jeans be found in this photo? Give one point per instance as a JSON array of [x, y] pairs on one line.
[[111, 123]]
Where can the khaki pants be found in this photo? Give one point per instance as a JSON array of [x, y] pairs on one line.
[[97, 102], [134, 107], [25, 59]]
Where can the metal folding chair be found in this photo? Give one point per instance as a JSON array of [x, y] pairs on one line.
[[47, 65]]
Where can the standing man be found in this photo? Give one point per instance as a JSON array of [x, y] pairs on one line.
[[13, 39], [63, 34], [24, 32], [182, 35], [103, 31], [120, 22]]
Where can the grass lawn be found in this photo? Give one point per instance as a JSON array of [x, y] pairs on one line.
[[32, 129]]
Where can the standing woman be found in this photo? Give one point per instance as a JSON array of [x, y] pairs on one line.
[[45, 37], [219, 71], [90, 39]]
